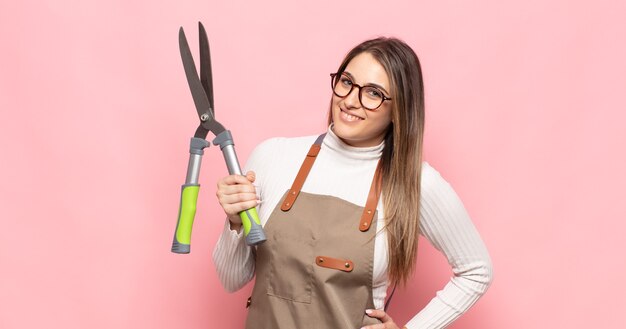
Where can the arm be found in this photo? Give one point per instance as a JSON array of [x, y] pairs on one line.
[[447, 225], [234, 260]]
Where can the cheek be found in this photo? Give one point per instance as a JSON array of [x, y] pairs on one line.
[[334, 105], [335, 101], [383, 122], [382, 126]]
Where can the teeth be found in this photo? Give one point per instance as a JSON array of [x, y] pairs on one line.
[[350, 117]]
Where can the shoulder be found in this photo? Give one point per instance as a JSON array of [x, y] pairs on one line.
[[437, 194], [283, 146], [275, 150], [434, 187], [431, 178], [284, 143], [276, 161]]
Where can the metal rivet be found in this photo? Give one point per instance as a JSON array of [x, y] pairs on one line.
[[286, 204], [369, 211], [293, 192], [365, 224], [204, 117], [347, 265], [321, 260]]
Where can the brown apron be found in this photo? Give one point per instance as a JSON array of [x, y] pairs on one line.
[[315, 269]]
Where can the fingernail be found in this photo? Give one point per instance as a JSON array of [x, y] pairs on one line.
[[258, 201], [368, 311]]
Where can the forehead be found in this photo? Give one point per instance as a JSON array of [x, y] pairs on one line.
[[365, 69]]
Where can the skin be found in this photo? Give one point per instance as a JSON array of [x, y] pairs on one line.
[[236, 193], [384, 317], [370, 129]]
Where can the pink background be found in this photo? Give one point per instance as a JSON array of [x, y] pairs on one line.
[[525, 115]]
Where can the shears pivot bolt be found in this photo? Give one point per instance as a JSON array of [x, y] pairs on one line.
[[204, 117]]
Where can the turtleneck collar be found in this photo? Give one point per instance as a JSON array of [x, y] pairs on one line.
[[333, 142]]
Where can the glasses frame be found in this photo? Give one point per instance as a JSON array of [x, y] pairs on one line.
[[333, 84]]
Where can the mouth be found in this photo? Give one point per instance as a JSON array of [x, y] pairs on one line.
[[349, 117]]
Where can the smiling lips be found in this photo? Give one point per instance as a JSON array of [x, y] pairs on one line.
[[349, 117]]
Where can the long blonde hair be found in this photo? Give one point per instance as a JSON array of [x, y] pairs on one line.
[[401, 164]]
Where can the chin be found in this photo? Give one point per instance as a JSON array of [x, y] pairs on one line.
[[346, 134]]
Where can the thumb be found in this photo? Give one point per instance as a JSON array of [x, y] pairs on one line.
[[251, 176]]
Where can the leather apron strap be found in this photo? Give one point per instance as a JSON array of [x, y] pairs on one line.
[[307, 164]]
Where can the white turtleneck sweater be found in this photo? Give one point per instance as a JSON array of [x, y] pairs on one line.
[[346, 172]]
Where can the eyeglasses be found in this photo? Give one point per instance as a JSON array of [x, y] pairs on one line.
[[370, 97]]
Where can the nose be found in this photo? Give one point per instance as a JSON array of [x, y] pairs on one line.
[[352, 99]]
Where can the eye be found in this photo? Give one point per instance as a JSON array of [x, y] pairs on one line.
[[345, 81], [373, 93]]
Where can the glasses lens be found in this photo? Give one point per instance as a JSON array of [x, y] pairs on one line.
[[342, 85], [371, 97]]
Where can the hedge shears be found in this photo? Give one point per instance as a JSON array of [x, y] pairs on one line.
[[202, 93]]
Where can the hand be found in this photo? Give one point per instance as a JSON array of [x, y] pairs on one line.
[[235, 194], [384, 317]]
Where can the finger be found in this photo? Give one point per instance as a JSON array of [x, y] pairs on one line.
[[233, 179], [236, 208], [380, 314], [237, 188], [385, 325], [228, 199], [251, 176], [375, 326]]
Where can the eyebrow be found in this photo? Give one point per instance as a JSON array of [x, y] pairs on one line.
[[369, 84]]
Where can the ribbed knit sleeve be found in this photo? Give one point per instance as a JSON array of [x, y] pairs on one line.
[[233, 259], [447, 225]]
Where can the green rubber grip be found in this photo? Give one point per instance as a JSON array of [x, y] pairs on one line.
[[186, 214], [252, 228]]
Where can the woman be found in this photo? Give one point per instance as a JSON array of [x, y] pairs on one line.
[[343, 224]]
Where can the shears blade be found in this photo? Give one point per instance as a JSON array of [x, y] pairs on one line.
[[206, 74], [200, 99]]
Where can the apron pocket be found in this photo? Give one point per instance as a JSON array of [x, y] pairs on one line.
[[291, 268]]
